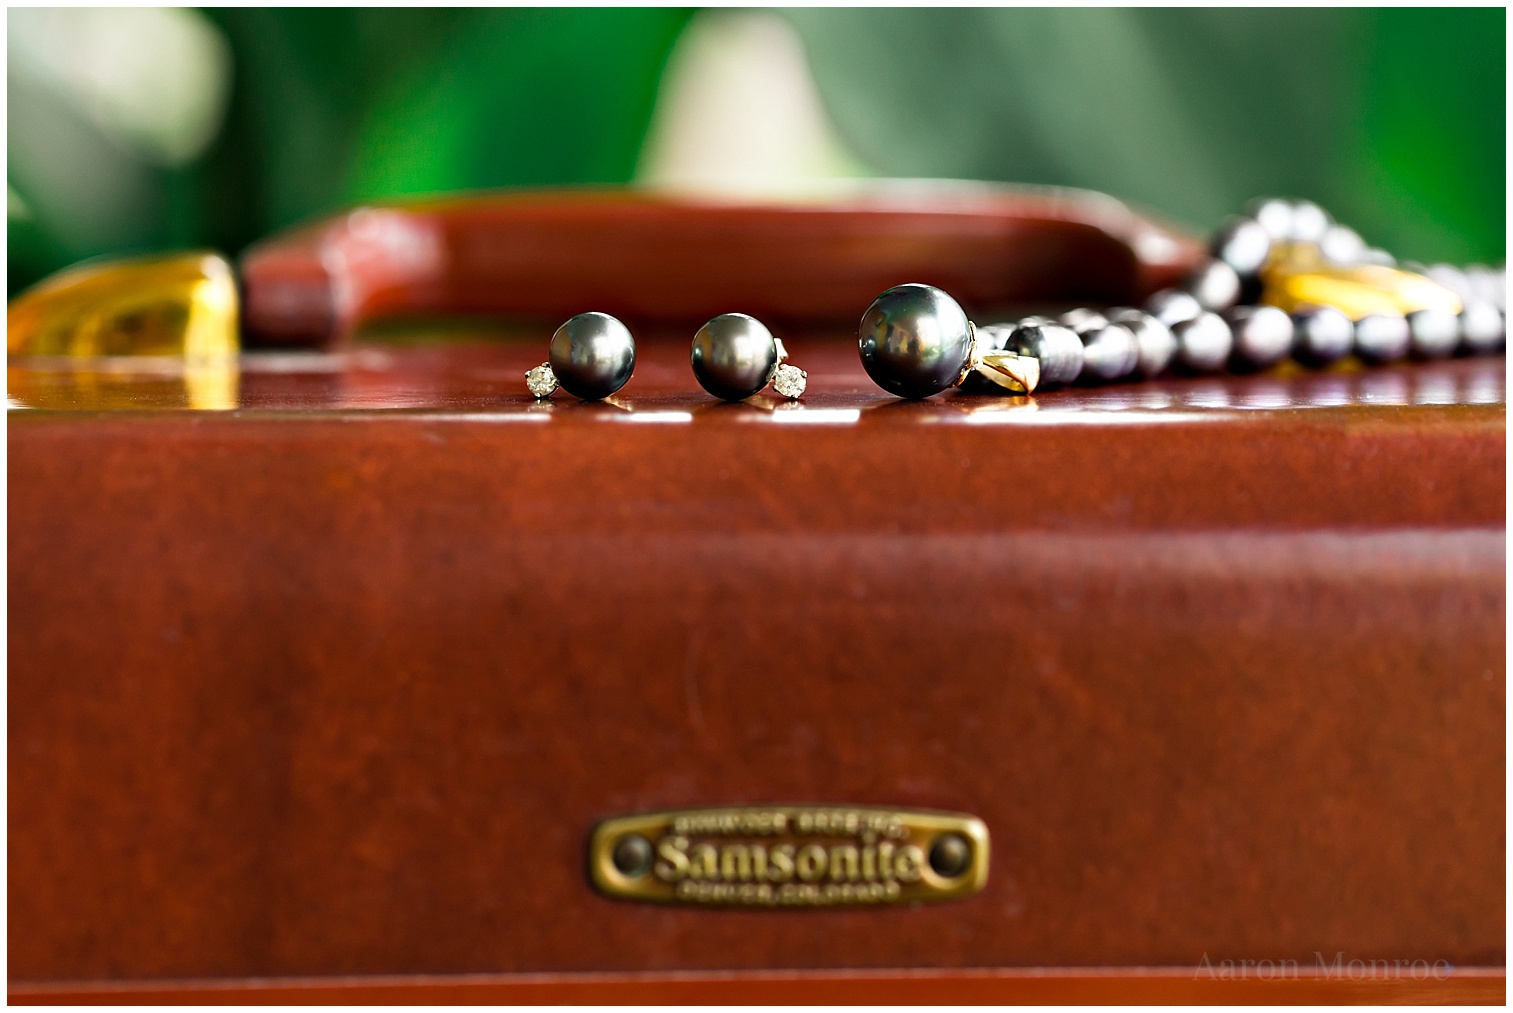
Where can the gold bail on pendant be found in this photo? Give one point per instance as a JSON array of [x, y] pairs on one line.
[[1010, 370]]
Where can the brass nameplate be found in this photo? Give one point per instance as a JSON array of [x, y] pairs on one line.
[[790, 856]]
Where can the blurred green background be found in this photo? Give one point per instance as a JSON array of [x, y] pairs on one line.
[[144, 129]]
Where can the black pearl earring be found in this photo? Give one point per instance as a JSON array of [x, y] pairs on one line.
[[591, 356], [735, 355]]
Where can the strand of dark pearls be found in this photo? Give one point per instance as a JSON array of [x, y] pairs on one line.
[[1214, 320]]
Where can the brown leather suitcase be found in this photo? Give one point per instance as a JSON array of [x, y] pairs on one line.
[[321, 698]]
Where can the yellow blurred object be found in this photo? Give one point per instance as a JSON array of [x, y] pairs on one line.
[[181, 304], [110, 383], [1297, 276], [212, 384]]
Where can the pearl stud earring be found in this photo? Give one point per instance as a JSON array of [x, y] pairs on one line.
[[591, 356], [735, 355]]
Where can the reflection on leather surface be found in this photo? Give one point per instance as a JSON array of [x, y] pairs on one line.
[[488, 377]]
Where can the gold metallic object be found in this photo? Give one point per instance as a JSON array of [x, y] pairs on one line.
[[787, 856], [164, 305], [1019, 373], [1297, 276]]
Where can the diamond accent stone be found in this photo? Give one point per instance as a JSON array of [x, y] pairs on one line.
[[541, 381], [790, 381]]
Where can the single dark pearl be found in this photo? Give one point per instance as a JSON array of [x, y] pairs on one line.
[[914, 341], [1274, 214], [1172, 306], [1243, 244], [1434, 333], [1488, 285], [733, 356], [1482, 328], [1263, 335], [593, 355], [1057, 348], [1155, 340], [1215, 285], [1309, 222], [1204, 343], [1321, 335], [1382, 337], [1109, 352]]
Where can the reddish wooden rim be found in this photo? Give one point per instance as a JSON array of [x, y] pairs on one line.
[[1048, 985]]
